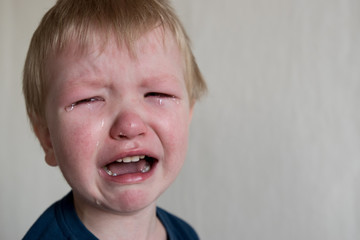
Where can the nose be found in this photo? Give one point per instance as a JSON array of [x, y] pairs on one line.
[[127, 125]]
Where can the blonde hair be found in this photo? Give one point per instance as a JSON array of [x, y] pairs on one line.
[[81, 20]]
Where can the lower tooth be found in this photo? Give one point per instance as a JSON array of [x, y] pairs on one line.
[[146, 168], [110, 172], [107, 171]]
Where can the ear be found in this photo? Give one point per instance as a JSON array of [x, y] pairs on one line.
[[43, 134]]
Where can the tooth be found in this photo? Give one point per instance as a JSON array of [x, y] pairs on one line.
[[108, 171], [130, 159], [146, 168]]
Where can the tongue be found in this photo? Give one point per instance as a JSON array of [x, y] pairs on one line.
[[125, 168]]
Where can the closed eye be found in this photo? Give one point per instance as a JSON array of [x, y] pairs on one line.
[[89, 100], [159, 95], [84, 101]]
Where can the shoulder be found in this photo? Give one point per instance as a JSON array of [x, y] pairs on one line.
[[59, 222], [176, 228], [46, 226]]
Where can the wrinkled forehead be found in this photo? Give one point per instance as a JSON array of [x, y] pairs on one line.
[[157, 40], [96, 40]]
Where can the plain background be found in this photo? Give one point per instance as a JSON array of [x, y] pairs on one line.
[[274, 148]]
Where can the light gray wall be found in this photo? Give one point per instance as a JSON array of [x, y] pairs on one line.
[[275, 145]]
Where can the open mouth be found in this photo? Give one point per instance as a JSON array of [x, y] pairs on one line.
[[128, 165]]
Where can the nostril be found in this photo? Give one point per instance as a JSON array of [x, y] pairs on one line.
[[122, 135]]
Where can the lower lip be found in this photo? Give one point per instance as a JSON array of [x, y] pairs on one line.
[[130, 178]]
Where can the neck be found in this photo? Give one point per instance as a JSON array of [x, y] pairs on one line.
[[142, 224]]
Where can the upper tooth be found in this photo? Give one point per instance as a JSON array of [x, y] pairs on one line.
[[130, 159], [135, 158]]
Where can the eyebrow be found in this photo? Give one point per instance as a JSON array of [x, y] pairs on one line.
[[161, 78], [88, 81]]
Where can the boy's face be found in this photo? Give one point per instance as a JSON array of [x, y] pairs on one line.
[[105, 108]]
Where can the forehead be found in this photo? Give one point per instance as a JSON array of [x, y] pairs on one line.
[[154, 47], [96, 41]]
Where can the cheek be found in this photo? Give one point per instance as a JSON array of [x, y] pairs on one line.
[[175, 136], [76, 142]]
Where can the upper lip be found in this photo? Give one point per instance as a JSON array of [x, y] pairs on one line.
[[139, 152]]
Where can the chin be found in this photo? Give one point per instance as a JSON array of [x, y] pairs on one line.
[[130, 200]]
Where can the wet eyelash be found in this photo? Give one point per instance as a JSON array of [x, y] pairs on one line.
[[161, 95], [86, 100]]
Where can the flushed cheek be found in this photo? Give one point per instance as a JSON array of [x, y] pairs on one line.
[[76, 145], [177, 130], [176, 139], [174, 158]]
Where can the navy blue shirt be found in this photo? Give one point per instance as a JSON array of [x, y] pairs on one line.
[[60, 221]]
